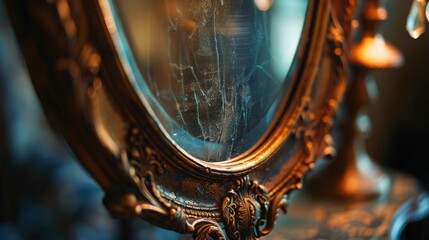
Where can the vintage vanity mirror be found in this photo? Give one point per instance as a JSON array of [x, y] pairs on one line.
[[199, 116]]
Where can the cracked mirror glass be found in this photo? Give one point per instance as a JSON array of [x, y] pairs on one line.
[[212, 73]]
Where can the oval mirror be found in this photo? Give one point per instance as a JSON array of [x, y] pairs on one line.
[[199, 116], [212, 72]]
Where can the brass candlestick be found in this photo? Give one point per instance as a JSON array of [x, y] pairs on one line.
[[353, 174]]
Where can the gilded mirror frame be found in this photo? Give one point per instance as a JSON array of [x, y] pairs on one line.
[[83, 87]]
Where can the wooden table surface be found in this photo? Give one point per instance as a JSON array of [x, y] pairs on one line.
[[310, 217]]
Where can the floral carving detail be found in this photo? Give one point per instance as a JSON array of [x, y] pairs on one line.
[[306, 125], [207, 229], [141, 164], [245, 210], [140, 156]]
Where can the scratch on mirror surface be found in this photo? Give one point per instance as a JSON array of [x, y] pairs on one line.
[[209, 65]]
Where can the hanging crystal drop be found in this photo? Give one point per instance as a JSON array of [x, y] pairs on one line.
[[416, 19]]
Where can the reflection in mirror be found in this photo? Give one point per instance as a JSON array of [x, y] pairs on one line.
[[211, 72]]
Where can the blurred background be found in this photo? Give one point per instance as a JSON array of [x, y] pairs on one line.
[[400, 115], [45, 193]]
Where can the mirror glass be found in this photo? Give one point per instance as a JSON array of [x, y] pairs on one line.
[[212, 73]]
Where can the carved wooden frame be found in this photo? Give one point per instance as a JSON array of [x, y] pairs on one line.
[[82, 85]]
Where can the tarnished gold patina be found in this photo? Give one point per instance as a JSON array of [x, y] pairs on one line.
[[83, 87]]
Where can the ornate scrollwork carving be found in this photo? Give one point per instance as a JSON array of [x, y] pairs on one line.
[[245, 210], [305, 125], [141, 164], [207, 229], [82, 60]]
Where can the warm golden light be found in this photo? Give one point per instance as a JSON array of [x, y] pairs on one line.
[[374, 52], [263, 5]]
